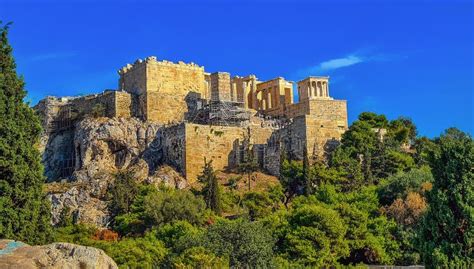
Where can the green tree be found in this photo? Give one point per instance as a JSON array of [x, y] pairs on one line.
[[211, 189], [171, 205], [246, 244], [400, 184], [291, 178], [314, 237], [136, 221], [259, 204], [447, 232], [123, 192], [24, 211]]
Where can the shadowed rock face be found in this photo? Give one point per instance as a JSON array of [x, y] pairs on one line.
[[101, 147], [14, 254]]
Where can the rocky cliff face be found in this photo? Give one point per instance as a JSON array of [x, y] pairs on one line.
[[14, 254], [95, 149]]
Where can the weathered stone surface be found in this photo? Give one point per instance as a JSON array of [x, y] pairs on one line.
[[16, 255], [102, 147], [177, 114]]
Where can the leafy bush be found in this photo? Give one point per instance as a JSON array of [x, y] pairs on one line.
[[245, 244], [172, 205]]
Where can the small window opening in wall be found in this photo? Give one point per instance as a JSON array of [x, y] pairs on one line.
[[322, 125]]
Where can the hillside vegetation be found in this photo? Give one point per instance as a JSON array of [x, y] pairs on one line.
[[395, 198]]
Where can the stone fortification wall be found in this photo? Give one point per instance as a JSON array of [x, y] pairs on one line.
[[289, 140], [108, 104], [162, 89], [324, 126], [220, 87], [171, 144], [221, 144]]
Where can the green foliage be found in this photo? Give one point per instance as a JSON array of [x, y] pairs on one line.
[[245, 244], [374, 120], [211, 189], [314, 236], [401, 131], [77, 234], [172, 205], [65, 218], [291, 178], [261, 204], [447, 232], [24, 211], [199, 257], [123, 192], [141, 252], [399, 185], [425, 148], [136, 221], [362, 207]]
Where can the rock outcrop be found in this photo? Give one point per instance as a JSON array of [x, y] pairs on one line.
[[14, 254], [101, 147]]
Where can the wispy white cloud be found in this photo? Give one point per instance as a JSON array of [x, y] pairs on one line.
[[358, 57], [52, 56], [340, 62]]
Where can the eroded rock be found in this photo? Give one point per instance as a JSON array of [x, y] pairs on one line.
[[14, 254]]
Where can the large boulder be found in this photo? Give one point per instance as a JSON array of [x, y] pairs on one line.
[[14, 254]]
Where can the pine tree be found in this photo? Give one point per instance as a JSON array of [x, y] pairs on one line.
[[447, 232], [24, 211], [211, 191]]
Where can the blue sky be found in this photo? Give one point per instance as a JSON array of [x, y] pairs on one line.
[[398, 58]]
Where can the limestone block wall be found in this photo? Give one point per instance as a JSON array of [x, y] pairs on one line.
[[170, 142], [160, 89], [123, 104], [169, 85], [113, 103], [220, 87], [324, 126], [291, 139], [219, 144]]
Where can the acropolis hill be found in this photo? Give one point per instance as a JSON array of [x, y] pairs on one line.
[[198, 114]]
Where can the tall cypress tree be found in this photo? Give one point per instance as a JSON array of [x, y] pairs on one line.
[[24, 211], [210, 190]]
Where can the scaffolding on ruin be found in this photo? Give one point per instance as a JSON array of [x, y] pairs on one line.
[[227, 113], [67, 166], [65, 119]]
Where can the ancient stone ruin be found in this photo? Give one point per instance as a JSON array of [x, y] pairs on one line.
[[165, 118], [177, 114]]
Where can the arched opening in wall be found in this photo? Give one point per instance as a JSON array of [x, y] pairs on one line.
[[320, 88]]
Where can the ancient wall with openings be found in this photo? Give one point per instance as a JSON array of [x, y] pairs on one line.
[[313, 87], [273, 94], [244, 90]]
